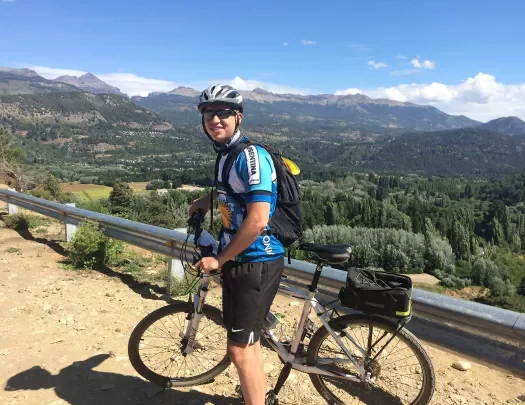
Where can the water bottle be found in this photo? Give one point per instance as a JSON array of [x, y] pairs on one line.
[[271, 321]]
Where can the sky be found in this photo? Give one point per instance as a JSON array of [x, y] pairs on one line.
[[462, 56]]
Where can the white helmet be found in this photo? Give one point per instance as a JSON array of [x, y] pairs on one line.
[[220, 93]]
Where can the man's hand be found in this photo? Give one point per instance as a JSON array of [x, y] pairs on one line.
[[202, 203], [207, 264]]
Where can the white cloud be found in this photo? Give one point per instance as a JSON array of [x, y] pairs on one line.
[[403, 72], [285, 43], [401, 57], [376, 65], [351, 91], [53, 73], [480, 97], [305, 42], [242, 84], [425, 64]]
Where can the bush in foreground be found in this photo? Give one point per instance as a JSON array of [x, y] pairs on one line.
[[90, 248]]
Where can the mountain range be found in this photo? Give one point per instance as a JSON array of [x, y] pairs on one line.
[[311, 115], [315, 114], [352, 132], [26, 81]]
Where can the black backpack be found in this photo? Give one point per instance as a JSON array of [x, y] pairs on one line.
[[286, 222]]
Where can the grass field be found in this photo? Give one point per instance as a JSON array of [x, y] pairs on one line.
[[95, 191]]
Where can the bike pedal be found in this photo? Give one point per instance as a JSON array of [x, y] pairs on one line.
[[271, 398]]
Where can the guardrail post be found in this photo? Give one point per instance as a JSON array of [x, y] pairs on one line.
[[11, 208], [175, 271], [70, 228]]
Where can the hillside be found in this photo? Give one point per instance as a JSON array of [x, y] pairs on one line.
[[61, 126], [450, 153], [315, 114], [506, 125], [26, 81], [81, 110]]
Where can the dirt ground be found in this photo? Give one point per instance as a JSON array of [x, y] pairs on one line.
[[64, 339], [424, 279]]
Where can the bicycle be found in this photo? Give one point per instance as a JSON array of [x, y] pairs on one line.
[[357, 371]]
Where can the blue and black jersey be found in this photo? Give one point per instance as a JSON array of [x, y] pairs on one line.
[[253, 179]]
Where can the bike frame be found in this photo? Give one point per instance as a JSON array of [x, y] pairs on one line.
[[287, 356]]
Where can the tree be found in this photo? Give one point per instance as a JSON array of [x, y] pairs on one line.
[[10, 159], [120, 198], [468, 191], [459, 240], [498, 234], [155, 184]]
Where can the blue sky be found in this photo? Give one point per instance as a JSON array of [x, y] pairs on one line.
[[422, 51]]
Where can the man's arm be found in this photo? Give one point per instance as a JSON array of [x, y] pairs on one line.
[[257, 217]]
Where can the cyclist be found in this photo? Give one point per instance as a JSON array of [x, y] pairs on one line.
[[250, 257]]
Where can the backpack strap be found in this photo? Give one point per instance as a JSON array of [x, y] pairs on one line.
[[216, 173], [226, 168]]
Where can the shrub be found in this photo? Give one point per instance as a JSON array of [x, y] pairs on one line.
[[90, 248], [497, 287], [23, 222]]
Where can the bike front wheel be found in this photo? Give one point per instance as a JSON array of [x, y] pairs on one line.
[[155, 347], [401, 370]]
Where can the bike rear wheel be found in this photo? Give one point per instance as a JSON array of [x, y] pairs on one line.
[[154, 347], [402, 373]]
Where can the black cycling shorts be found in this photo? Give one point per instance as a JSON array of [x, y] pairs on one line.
[[247, 294]]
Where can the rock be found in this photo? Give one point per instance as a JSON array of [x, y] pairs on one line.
[[117, 330], [462, 365], [63, 321], [57, 341], [107, 387], [47, 307]]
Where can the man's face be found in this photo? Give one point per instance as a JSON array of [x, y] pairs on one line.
[[221, 128]]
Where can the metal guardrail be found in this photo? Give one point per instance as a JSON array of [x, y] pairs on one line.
[[442, 309]]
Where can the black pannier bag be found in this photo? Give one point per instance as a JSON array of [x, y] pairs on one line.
[[379, 293]]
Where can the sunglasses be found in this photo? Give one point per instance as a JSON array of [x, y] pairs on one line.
[[221, 114]]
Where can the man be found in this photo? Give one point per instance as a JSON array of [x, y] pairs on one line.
[[250, 257]]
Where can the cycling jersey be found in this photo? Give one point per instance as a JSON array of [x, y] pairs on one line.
[[253, 179]]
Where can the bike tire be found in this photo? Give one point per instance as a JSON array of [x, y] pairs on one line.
[[362, 392], [166, 381]]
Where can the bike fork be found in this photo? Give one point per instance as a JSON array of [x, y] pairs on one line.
[[194, 318]]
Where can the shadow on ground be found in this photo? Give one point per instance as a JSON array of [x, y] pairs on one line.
[[79, 384]]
